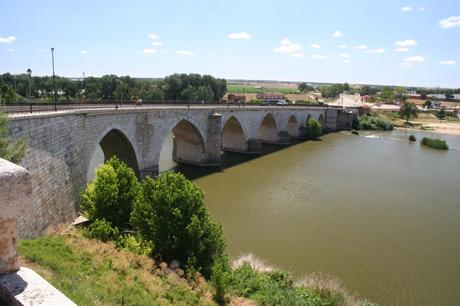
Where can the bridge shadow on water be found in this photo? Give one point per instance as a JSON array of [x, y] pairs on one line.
[[229, 159]]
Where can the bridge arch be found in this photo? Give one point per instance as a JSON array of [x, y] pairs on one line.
[[321, 121], [112, 142], [188, 145], [233, 136], [268, 129], [292, 126]]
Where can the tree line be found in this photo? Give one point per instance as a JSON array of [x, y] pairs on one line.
[[176, 87]]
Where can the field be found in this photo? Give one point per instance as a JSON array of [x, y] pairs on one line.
[[262, 88]]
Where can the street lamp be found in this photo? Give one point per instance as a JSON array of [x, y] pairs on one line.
[[54, 80], [29, 73]]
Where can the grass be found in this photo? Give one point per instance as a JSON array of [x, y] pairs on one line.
[[253, 279], [435, 143], [90, 272]]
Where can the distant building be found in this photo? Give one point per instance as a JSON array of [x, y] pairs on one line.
[[236, 98]]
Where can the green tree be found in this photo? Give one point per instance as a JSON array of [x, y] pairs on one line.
[[304, 87], [408, 110], [10, 150], [173, 216], [387, 95], [112, 193], [313, 128]]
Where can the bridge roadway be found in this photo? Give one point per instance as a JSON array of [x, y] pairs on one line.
[[61, 144]]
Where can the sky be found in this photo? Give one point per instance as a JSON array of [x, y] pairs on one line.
[[408, 43]]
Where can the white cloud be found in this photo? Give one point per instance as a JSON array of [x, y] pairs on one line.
[[347, 60], [157, 43], [422, 8], [416, 59], [319, 57], [406, 9], [154, 36], [407, 64], [149, 51], [342, 46], [286, 46], [40, 50], [296, 55], [10, 50], [240, 36], [83, 52], [406, 43], [451, 22], [401, 49], [185, 52], [337, 34], [7, 40], [448, 62], [165, 52], [379, 50], [361, 47], [315, 46], [344, 55]]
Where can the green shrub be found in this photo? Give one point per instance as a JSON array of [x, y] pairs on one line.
[[135, 245], [102, 230], [435, 143], [173, 216], [372, 122], [220, 280], [313, 128], [273, 288], [112, 193], [412, 138], [10, 150]]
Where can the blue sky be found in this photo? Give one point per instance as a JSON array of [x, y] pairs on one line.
[[376, 42]]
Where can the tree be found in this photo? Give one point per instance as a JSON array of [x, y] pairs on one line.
[[408, 110], [387, 95], [173, 216], [112, 193], [304, 87], [10, 150], [313, 128]]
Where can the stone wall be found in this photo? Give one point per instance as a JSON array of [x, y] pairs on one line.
[[15, 201], [60, 146]]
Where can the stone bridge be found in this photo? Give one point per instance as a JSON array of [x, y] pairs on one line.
[[61, 144]]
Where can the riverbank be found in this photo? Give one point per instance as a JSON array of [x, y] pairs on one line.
[[91, 272], [424, 122]]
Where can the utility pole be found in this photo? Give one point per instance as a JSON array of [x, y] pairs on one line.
[[54, 81]]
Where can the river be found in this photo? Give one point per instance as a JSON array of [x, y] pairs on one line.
[[381, 215]]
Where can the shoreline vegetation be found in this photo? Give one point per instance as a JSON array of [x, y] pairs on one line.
[[92, 272]]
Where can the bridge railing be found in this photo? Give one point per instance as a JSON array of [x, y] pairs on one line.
[[47, 106]]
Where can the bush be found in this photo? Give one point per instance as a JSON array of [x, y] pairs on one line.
[[173, 216], [372, 122], [135, 245], [313, 129], [412, 138], [220, 280], [10, 150], [435, 143], [111, 194], [102, 230]]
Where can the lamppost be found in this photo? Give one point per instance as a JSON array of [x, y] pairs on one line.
[[54, 81], [29, 73]]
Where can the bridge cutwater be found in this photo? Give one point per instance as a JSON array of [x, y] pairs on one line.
[[61, 144]]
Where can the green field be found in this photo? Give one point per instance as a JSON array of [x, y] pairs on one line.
[[237, 88]]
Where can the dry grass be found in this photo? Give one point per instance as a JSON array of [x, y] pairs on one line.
[[255, 263]]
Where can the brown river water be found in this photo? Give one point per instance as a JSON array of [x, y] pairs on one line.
[[380, 214]]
